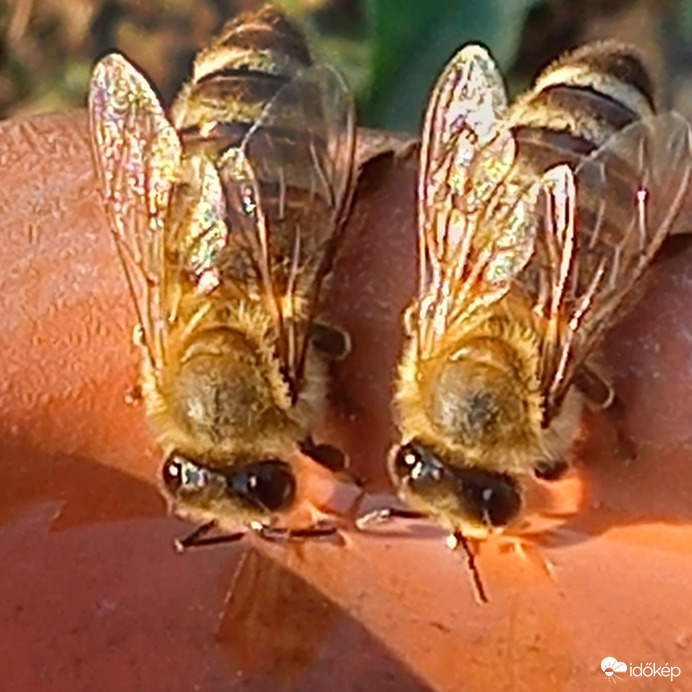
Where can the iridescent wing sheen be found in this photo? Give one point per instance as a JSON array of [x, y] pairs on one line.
[[196, 230], [288, 191], [475, 225], [602, 226], [137, 154], [466, 103]]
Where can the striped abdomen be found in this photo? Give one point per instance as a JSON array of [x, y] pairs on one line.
[[260, 61], [575, 106], [580, 101], [234, 79]]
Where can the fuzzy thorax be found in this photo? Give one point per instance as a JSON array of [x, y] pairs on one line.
[[220, 396], [477, 401]]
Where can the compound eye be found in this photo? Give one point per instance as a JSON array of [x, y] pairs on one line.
[[179, 472], [496, 497], [406, 458], [417, 465], [269, 485]]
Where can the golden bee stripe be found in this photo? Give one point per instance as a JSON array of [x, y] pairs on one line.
[[236, 77], [589, 95], [607, 67], [576, 104]]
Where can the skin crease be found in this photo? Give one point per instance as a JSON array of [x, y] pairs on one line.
[[93, 591]]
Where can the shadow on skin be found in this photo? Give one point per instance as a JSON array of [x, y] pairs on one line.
[[87, 492], [279, 630]]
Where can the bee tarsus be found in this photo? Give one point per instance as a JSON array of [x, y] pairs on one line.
[[384, 514], [198, 537], [551, 470], [334, 343], [454, 540], [324, 454], [595, 387]]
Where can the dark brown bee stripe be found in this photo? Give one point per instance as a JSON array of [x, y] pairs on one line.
[[266, 30], [576, 105], [612, 58], [245, 73], [264, 39], [591, 104], [217, 138], [605, 192], [543, 148], [590, 93], [254, 58], [263, 42], [232, 134], [546, 148], [291, 138], [242, 98]]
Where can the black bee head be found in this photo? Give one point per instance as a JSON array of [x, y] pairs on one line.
[[268, 485], [469, 498], [252, 490]]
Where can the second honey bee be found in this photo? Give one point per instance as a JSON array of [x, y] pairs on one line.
[[227, 214], [535, 221]]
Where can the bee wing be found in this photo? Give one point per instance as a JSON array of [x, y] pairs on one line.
[[137, 154], [466, 157], [603, 225], [466, 103], [288, 189]]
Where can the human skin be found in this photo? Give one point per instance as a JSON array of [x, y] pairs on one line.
[[92, 593]]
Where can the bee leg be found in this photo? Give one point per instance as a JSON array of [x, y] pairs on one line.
[[594, 387], [332, 342], [196, 539], [602, 394], [326, 455], [627, 449], [551, 470], [377, 516], [274, 534], [457, 540], [332, 458]]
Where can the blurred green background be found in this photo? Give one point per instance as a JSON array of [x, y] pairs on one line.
[[389, 50]]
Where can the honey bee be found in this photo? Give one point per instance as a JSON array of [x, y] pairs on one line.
[[227, 214], [535, 220]]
